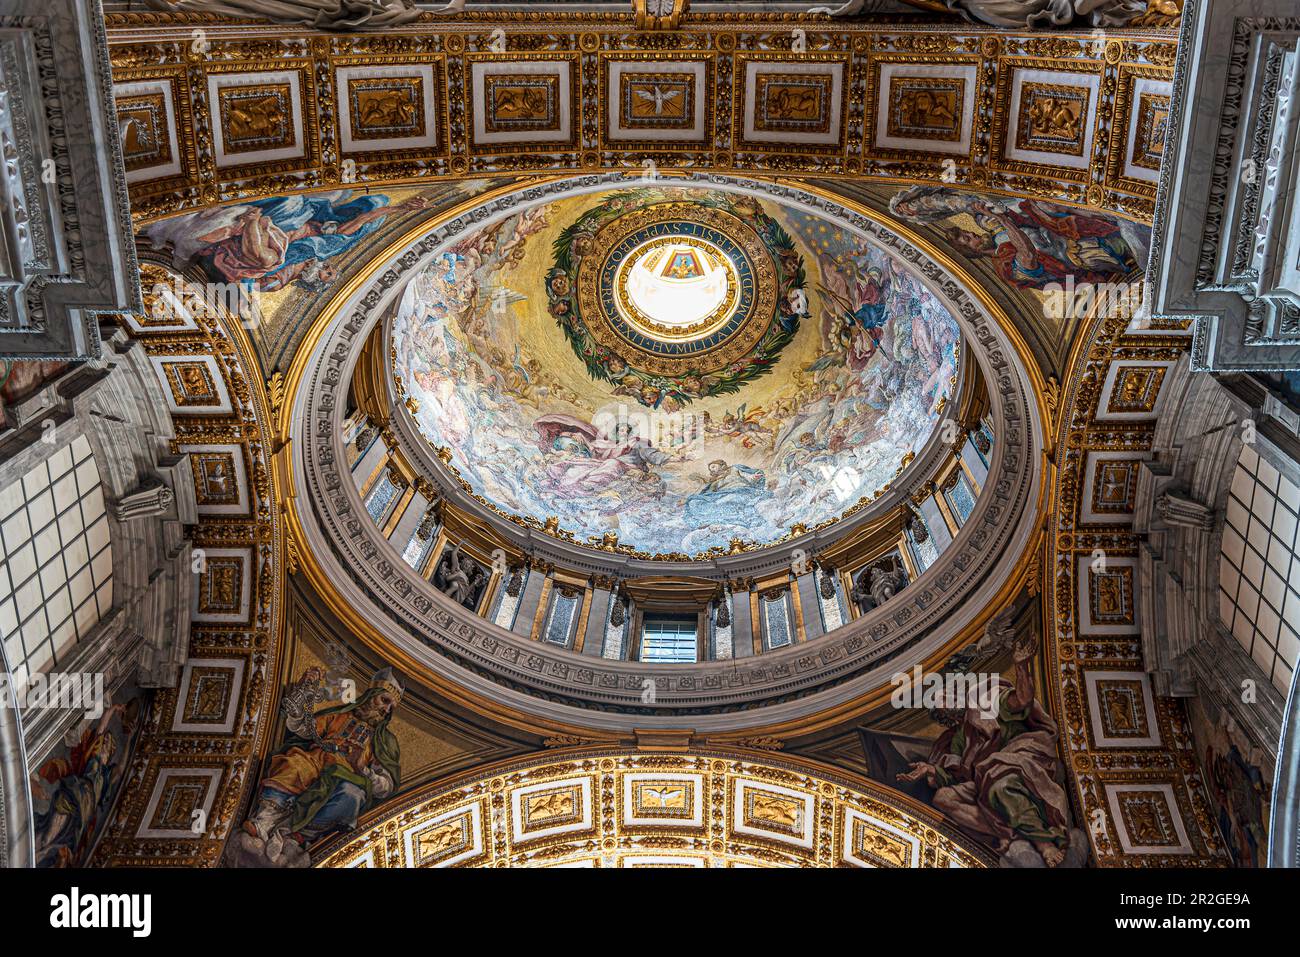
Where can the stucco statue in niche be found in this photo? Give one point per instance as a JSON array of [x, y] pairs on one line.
[[879, 582], [460, 578]]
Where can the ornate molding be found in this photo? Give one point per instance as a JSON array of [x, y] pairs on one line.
[[429, 630], [66, 249], [205, 758], [1226, 238], [732, 54], [610, 807], [1137, 779]]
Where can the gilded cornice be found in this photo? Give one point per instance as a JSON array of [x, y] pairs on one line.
[[187, 61], [881, 633]]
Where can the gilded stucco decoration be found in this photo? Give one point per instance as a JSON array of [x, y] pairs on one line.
[[599, 808], [424, 623], [1138, 780], [199, 744], [1068, 116], [979, 137]]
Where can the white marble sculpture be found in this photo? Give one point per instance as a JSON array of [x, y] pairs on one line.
[[1024, 13], [321, 14]]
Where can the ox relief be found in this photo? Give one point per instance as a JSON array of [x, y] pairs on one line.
[[387, 107], [256, 118]]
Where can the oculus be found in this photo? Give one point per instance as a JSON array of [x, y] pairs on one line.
[[677, 287], [677, 301]]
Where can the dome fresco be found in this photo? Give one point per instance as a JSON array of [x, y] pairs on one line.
[[666, 520], [682, 367]]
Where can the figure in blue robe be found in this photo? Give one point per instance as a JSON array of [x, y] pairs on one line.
[[730, 494]]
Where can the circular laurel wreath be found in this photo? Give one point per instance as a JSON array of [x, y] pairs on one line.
[[643, 376]]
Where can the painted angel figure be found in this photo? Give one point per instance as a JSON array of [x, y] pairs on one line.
[[744, 424], [589, 459]]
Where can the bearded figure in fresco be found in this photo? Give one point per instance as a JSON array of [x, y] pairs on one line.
[[272, 243], [334, 764], [1032, 244], [995, 775], [586, 458]]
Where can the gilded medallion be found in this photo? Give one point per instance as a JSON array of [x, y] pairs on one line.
[[677, 300]]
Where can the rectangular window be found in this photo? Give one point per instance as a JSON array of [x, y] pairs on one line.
[[359, 441], [560, 619], [1259, 572], [56, 560], [924, 554], [936, 522], [982, 439], [352, 427], [977, 468], [668, 638], [776, 620]]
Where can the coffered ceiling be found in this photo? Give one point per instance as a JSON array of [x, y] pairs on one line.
[[226, 112]]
